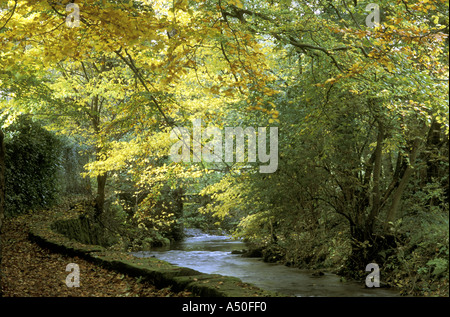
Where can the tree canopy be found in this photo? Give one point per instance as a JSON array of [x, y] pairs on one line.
[[361, 110]]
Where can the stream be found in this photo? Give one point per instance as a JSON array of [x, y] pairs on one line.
[[212, 254]]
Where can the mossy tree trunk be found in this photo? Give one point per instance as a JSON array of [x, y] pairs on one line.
[[100, 155], [2, 198], [100, 200]]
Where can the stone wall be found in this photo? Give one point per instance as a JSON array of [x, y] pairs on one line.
[[83, 230]]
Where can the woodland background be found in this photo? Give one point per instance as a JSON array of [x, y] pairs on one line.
[[362, 114]]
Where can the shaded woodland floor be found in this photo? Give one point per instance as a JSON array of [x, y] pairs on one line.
[[31, 271]]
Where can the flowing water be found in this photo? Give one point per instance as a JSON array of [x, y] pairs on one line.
[[212, 254]]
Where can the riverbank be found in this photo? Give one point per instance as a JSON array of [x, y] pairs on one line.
[[219, 254], [30, 270], [46, 257], [408, 283]]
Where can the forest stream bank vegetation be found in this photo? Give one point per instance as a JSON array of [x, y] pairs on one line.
[[361, 112]]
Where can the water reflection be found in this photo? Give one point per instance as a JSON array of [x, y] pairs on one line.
[[212, 254]]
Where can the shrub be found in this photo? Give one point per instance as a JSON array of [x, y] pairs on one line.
[[32, 160]]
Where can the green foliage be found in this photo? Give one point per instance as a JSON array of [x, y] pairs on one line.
[[420, 263], [207, 222], [32, 163], [162, 212], [73, 159], [362, 115], [154, 212], [439, 266]]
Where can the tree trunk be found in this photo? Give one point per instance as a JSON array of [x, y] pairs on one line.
[[100, 200], [396, 198], [2, 199], [101, 178], [361, 253], [86, 181], [376, 179], [433, 162]]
